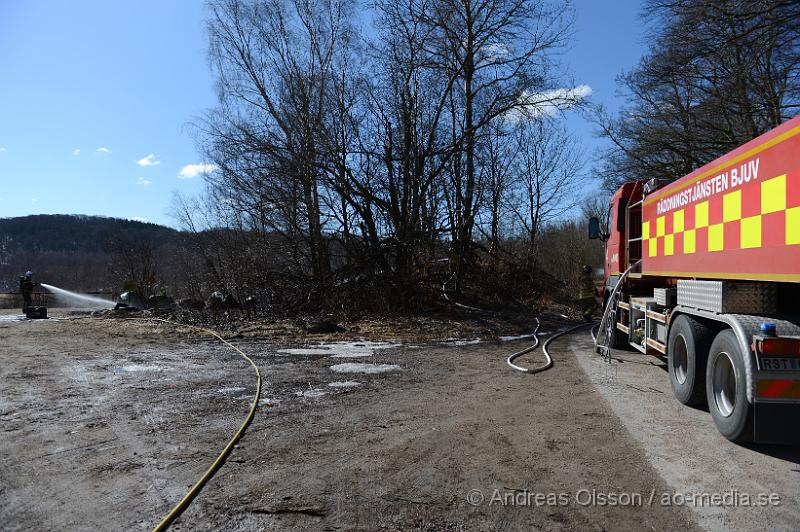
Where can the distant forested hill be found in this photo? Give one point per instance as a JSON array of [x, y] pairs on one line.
[[73, 251], [72, 233]]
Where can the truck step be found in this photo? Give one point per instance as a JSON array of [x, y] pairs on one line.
[[658, 346]]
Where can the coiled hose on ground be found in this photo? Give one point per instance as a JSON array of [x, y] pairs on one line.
[[548, 358], [510, 360]]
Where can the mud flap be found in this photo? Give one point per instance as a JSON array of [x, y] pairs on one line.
[[776, 423]]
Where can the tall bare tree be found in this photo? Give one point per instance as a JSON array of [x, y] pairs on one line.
[[274, 62], [501, 52], [717, 74], [549, 175]]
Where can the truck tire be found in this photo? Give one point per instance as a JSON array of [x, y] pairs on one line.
[[687, 351], [726, 389]]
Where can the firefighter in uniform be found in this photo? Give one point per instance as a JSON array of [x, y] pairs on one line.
[[26, 285], [587, 296]]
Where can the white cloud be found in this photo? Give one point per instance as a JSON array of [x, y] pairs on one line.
[[103, 149], [493, 52], [547, 103], [76, 151], [139, 219], [150, 160], [2, 148], [34, 200], [144, 182], [193, 170]]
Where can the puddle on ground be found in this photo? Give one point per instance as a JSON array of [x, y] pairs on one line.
[[351, 367], [344, 384], [340, 349]]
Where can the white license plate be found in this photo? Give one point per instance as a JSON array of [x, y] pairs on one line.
[[780, 363]]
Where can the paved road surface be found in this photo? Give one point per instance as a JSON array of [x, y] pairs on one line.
[[685, 448]]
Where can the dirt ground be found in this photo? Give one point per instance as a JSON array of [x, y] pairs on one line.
[[104, 424]]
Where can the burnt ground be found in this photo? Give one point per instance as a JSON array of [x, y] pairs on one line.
[[104, 424]]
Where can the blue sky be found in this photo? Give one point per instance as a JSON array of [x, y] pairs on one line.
[[91, 91]]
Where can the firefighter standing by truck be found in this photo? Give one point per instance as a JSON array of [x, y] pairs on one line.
[[26, 286], [587, 295]]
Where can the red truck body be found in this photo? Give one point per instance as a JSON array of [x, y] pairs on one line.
[[737, 217], [705, 271]]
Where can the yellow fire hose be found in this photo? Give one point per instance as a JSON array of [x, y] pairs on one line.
[[195, 489]]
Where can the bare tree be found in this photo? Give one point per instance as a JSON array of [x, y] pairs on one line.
[[549, 175], [497, 158], [274, 62], [718, 73], [359, 159], [134, 263], [501, 52]]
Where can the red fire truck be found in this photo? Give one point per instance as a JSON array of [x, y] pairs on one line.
[[705, 272]]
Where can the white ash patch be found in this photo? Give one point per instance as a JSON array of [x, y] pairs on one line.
[[154, 417], [341, 349], [132, 368], [360, 349], [311, 393], [351, 367], [517, 337], [269, 401], [228, 391], [460, 341], [305, 351], [344, 384]]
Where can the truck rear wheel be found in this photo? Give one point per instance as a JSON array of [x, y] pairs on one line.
[[726, 389], [687, 351]]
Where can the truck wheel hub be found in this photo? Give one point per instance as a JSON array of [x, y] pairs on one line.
[[680, 359], [724, 382]]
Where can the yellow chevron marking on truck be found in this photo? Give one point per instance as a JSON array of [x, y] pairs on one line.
[[751, 229], [732, 206], [750, 235], [677, 221], [701, 215], [716, 237], [773, 195], [793, 226], [689, 241]]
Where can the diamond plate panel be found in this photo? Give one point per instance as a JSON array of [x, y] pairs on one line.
[[728, 296]]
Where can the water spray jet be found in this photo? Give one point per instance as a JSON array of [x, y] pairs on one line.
[[74, 299]]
